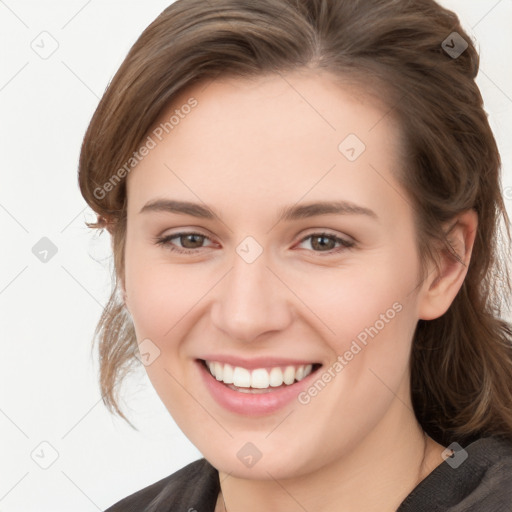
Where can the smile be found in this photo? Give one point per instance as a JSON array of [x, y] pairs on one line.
[[258, 378], [257, 391]]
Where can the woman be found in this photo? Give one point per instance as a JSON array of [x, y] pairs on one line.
[[304, 202]]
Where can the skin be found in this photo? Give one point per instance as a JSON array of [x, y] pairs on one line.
[[249, 148]]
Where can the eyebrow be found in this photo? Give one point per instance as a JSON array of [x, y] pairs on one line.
[[288, 213]]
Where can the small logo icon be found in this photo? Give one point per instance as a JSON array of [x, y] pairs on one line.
[[45, 45], [249, 249], [351, 147], [454, 45], [455, 455], [44, 250], [44, 455], [146, 352], [249, 455]]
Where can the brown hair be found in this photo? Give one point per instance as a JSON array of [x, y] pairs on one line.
[[461, 362]]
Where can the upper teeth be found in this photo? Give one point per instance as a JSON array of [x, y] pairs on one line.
[[259, 378]]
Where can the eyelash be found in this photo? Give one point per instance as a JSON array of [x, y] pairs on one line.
[[166, 242]]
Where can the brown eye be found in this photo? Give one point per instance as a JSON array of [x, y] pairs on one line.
[[187, 242], [327, 243], [191, 240], [321, 242]]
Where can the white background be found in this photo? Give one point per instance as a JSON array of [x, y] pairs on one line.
[[48, 383]]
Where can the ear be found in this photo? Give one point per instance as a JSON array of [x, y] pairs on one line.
[[442, 285]]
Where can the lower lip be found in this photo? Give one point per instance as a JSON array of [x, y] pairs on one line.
[[252, 404]]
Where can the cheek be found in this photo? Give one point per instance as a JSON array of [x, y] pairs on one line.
[[369, 317], [362, 302], [161, 294], [161, 302]]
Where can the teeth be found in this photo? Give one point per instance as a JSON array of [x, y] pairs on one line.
[[219, 370], [276, 377], [259, 378], [227, 376], [289, 375], [307, 370], [241, 377]]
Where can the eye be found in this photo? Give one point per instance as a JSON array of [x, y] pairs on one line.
[[326, 243], [189, 241], [192, 241]]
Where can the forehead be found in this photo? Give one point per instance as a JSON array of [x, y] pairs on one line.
[[273, 138]]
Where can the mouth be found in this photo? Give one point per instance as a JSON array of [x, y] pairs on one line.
[[258, 380], [259, 390]]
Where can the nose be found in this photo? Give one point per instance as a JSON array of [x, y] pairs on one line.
[[251, 301]]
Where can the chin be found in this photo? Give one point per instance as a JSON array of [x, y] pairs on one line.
[[271, 465]]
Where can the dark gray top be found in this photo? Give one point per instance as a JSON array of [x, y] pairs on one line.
[[481, 483]]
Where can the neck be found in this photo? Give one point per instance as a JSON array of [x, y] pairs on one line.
[[376, 476]]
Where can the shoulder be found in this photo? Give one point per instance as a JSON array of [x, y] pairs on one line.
[[491, 488], [194, 486], [478, 478]]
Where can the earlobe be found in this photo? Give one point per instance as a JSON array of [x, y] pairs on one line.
[[442, 285]]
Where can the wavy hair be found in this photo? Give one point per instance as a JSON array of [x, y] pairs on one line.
[[461, 362]]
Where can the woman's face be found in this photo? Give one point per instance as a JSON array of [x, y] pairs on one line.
[[303, 255]]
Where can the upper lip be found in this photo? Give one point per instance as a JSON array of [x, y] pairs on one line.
[[257, 362]]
